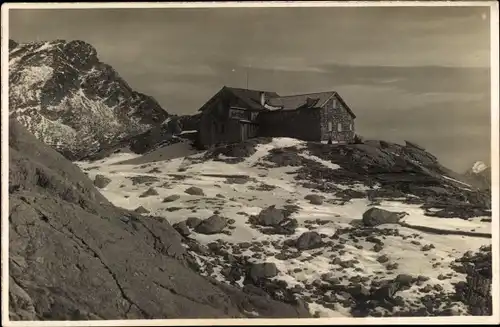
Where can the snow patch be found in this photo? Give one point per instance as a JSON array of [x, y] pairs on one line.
[[478, 167]]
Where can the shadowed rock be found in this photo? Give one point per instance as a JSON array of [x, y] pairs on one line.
[[213, 225], [101, 181], [271, 216], [375, 216], [193, 190], [308, 240]]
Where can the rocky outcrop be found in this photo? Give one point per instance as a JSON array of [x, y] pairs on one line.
[[73, 255], [476, 290], [407, 172], [63, 94]]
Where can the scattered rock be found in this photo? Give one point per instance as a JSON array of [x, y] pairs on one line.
[[193, 190], [309, 240], [404, 279], [149, 192], [172, 198], [101, 181], [392, 266], [378, 247]]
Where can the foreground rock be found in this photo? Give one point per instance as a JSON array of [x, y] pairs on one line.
[[375, 216], [73, 255]]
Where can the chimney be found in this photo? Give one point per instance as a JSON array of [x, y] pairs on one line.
[[262, 98]]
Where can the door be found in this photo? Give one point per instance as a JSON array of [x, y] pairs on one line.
[[244, 131]]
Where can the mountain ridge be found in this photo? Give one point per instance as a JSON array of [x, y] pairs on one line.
[[62, 93]]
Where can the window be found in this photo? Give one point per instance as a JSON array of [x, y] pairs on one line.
[[350, 127], [330, 126], [334, 103], [339, 127]]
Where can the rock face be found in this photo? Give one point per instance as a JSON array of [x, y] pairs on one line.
[[375, 216], [73, 255], [476, 291], [66, 97]]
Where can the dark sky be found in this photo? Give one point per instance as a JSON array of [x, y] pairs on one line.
[[416, 73]]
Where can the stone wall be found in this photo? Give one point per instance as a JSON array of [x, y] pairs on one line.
[[336, 113], [302, 124]]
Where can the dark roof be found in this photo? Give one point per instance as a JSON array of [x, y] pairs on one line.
[[309, 100], [251, 97], [290, 102]]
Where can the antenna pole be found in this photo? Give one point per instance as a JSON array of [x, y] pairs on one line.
[[247, 75]]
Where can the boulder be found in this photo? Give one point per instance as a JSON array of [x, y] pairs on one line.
[[101, 181], [376, 216], [172, 198], [149, 192], [213, 225], [258, 271], [308, 240], [182, 228], [141, 210], [193, 190], [193, 222], [271, 216], [314, 199]]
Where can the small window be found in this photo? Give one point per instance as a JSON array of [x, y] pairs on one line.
[[330, 126], [339, 127], [334, 103], [350, 127]]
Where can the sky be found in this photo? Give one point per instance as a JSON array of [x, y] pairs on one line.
[[409, 73]]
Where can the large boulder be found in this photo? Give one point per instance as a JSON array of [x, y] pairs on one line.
[[271, 216], [259, 271], [213, 225], [73, 255], [376, 216], [308, 240]]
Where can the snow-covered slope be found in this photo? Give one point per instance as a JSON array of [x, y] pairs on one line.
[[347, 268], [72, 101]]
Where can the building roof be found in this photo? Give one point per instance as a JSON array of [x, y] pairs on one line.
[[291, 102], [251, 97]]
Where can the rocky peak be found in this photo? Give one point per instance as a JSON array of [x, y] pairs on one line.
[[72, 101]]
